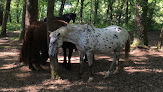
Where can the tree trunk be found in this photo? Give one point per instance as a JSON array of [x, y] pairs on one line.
[[23, 20], [90, 20], [50, 27], [81, 11], [126, 13], [3, 32], [96, 9], [17, 11], [32, 10], [141, 23], [111, 10], [10, 19], [76, 6], [62, 7], [1, 12], [138, 27], [159, 44], [144, 21]]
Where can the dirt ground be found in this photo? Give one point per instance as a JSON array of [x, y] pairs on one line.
[[145, 75]]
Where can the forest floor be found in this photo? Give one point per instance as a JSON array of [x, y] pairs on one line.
[[145, 75]]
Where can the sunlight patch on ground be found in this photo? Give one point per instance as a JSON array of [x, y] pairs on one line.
[[132, 70], [23, 75], [73, 59], [57, 84], [8, 66]]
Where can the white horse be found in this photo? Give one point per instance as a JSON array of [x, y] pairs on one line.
[[89, 40]]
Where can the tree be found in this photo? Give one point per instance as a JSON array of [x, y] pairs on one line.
[[126, 13], [144, 21], [3, 32], [17, 11], [29, 15], [62, 7], [141, 23], [23, 20], [81, 11], [76, 6], [50, 27], [32, 11], [1, 12], [96, 8]]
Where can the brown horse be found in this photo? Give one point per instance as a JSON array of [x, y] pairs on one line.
[[35, 47]]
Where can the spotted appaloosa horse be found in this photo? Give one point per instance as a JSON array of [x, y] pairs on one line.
[[66, 17], [90, 40], [35, 48]]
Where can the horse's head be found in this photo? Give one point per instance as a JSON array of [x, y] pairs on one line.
[[55, 43]]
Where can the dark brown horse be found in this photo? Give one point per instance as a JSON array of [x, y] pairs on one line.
[[35, 48]]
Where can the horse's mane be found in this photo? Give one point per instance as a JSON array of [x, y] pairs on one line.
[[64, 30]]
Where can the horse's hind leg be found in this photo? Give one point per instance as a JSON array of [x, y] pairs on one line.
[[31, 67], [69, 58], [44, 55], [65, 60], [116, 59]]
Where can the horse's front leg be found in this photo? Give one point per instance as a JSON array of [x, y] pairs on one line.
[[90, 57], [81, 64]]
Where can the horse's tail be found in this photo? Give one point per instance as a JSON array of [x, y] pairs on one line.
[[127, 50], [25, 50]]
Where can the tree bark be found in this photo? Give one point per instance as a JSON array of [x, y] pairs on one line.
[[96, 9], [126, 13], [3, 32], [144, 21], [1, 12], [62, 7], [76, 6], [111, 10], [50, 27], [23, 20], [17, 11], [138, 27], [141, 23], [90, 17], [32, 10], [81, 11]]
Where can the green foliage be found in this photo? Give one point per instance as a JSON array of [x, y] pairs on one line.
[[155, 13], [13, 26]]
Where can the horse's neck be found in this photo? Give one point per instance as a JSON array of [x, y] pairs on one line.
[[72, 37]]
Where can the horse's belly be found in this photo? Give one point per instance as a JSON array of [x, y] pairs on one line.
[[105, 47]]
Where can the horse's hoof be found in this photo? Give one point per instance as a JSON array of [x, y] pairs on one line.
[[90, 79], [107, 75]]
